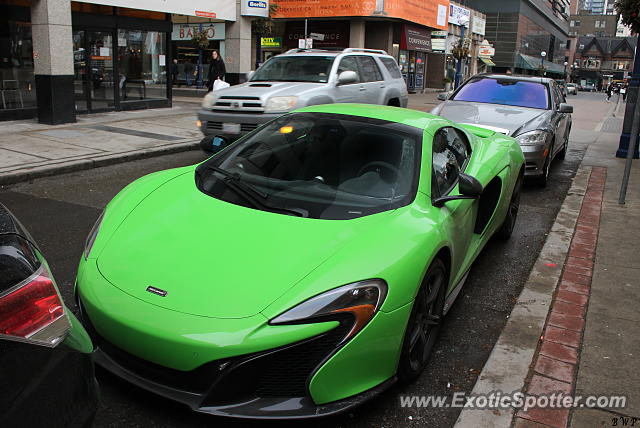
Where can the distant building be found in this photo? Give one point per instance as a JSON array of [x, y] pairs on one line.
[[587, 23], [601, 60], [521, 30]]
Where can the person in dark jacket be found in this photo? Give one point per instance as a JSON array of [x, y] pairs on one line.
[[216, 69], [174, 72], [609, 92]]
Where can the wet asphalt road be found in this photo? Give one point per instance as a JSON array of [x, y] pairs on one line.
[[59, 211]]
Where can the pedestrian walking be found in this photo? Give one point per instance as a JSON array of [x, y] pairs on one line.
[[174, 72], [217, 69], [623, 91], [188, 72], [609, 91]]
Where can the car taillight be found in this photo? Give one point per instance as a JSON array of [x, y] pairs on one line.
[[33, 311]]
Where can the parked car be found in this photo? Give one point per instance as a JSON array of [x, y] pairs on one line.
[[530, 109], [562, 86], [572, 89], [301, 78], [588, 87], [231, 286], [45, 353]]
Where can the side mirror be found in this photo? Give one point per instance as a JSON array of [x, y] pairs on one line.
[[565, 108], [469, 187], [347, 77], [442, 96], [250, 74]]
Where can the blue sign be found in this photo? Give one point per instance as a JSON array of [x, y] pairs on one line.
[[258, 4]]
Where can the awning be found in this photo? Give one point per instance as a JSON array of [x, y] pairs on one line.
[[532, 63], [487, 61]]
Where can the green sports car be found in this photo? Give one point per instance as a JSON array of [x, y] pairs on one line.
[[302, 269]]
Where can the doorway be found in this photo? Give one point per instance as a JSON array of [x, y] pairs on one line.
[[94, 80]]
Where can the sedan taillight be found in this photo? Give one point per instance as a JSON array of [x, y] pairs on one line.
[[33, 311]]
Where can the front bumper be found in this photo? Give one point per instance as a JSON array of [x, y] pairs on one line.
[[212, 122], [243, 367], [534, 158]]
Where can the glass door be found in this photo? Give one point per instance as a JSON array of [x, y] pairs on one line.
[[102, 88], [80, 64]]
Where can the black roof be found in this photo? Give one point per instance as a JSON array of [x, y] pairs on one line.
[[607, 45]]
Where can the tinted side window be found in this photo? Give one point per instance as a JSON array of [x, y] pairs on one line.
[[369, 68], [560, 95], [348, 63], [450, 154], [554, 94], [391, 65]]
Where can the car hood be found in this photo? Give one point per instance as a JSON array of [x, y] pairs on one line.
[[266, 90], [214, 258], [510, 120]]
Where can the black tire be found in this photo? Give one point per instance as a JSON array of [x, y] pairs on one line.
[[563, 153], [506, 229], [424, 323]]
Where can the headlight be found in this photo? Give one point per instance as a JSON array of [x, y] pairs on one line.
[[532, 138], [209, 100], [360, 300], [280, 104], [91, 238]]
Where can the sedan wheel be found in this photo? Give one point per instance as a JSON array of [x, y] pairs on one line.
[[424, 323], [544, 178]]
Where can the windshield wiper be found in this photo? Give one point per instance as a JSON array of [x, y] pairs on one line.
[[248, 192], [235, 177]]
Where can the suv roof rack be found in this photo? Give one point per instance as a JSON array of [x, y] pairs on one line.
[[378, 51], [296, 50]]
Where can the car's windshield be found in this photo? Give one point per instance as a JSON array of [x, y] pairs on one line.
[[295, 68], [320, 165], [504, 91]]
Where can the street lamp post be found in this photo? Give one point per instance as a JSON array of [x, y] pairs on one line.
[[543, 54], [565, 70]]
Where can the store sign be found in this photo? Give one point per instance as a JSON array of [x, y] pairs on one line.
[[458, 15], [270, 42], [220, 9], [415, 39], [428, 13], [254, 8], [336, 34], [478, 24], [485, 50], [184, 32], [439, 44]]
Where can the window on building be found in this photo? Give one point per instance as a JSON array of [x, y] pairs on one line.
[[581, 47], [142, 65], [577, 23], [568, 45], [572, 23], [17, 86]]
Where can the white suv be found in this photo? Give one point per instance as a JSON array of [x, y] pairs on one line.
[[299, 78]]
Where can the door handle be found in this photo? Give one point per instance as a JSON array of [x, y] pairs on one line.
[[362, 88], [382, 86]]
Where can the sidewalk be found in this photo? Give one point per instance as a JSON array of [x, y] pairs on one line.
[[29, 149], [574, 329]]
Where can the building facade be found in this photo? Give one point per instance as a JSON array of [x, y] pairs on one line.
[[521, 31], [59, 58], [586, 23], [602, 60]]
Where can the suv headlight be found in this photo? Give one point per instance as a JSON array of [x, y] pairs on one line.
[[532, 138], [360, 300], [276, 104], [209, 100]]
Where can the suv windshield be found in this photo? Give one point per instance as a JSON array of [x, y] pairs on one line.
[[295, 68], [318, 165], [504, 91]]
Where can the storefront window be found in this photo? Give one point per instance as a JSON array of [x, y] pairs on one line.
[[142, 65], [17, 86]]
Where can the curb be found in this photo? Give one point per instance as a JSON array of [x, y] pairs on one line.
[[63, 166], [508, 365], [555, 365]]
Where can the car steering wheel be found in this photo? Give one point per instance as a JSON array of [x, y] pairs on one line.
[[377, 165]]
